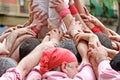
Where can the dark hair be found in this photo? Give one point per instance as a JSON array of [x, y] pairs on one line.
[[69, 44], [6, 63], [27, 46], [104, 39], [115, 62]]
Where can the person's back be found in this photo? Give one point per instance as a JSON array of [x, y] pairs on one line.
[[6, 63]]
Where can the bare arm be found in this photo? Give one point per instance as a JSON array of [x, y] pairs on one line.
[[14, 35]]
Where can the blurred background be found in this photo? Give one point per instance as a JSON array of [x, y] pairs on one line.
[[14, 12]]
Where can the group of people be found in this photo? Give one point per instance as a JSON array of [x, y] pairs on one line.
[[60, 41]]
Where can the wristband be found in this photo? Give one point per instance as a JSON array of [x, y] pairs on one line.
[[73, 9], [64, 12], [96, 29], [35, 30]]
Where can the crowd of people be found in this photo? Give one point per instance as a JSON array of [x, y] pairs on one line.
[[60, 41]]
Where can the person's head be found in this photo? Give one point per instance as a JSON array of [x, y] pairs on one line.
[[6, 63], [27, 46], [104, 40], [69, 44], [60, 59], [115, 62]]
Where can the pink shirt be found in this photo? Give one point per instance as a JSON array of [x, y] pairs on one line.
[[85, 73], [34, 74], [12, 74], [106, 72]]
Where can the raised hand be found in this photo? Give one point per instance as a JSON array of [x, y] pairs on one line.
[[40, 20], [58, 5]]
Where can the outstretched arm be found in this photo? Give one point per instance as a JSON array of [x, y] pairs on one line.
[[12, 37]]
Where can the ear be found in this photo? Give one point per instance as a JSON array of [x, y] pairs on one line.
[[64, 67]]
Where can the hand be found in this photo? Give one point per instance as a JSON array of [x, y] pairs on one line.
[[91, 38], [94, 63], [92, 19], [52, 26], [32, 12], [113, 33], [116, 38], [19, 40], [75, 25], [47, 43], [111, 52], [55, 34], [40, 20], [22, 31], [58, 5], [98, 52], [66, 36]]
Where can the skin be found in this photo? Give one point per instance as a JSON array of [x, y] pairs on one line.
[[69, 68]]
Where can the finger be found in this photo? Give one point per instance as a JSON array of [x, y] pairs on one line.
[[84, 16], [31, 32], [86, 10], [113, 38], [91, 45], [33, 7], [31, 2], [32, 25], [86, 31], [44, 24], [37, 14], [43, 18], [54, 2]]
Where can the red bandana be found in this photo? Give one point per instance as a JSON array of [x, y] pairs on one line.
[[54, 57]]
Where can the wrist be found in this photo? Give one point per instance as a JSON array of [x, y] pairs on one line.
[[96, 29], [55, 41], [34, 29], [73, 9], [74, 32], [64, 12]]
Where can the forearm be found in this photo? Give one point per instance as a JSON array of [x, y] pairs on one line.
[[67, 20], [104, 29], [10, 40], [78, 18], [27, 63], [82, 49]]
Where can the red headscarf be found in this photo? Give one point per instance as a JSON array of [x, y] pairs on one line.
[[54, 57]]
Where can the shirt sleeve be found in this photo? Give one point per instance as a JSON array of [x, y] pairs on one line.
[[106, 72], [34, 74], [85, 72], [12, 74]]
